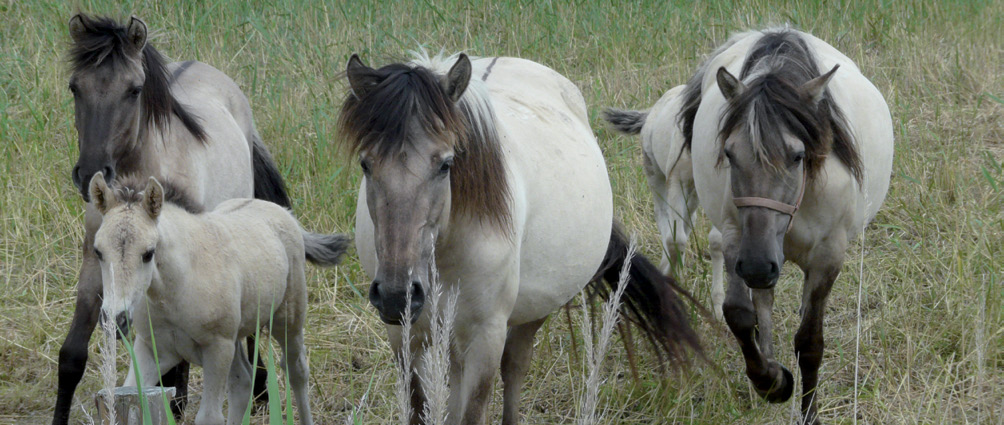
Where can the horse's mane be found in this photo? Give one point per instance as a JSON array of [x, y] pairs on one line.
[[378, 122], [106, 43], [129, 190], [779, 63]]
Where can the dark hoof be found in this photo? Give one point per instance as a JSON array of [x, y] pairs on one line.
[[779, 392]]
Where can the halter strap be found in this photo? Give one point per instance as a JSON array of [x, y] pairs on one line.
[[781, 207]]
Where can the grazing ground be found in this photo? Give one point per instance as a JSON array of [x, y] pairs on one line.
[[931, 338]]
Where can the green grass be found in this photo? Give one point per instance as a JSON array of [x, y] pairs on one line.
[[932, 340]]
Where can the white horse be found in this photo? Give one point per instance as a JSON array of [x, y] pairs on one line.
[[791, 160], [492, 165], [205, 280], [135, 113]]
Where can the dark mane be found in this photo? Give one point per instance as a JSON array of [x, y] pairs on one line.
[[378, 122], [780, 62], [106, 43], [129, 189]]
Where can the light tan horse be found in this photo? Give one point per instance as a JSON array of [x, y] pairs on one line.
[[196, 283]]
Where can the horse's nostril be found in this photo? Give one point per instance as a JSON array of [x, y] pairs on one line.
[[75, 175], [417, 295], [739, 267], [773, 268], [375, 297], [109, 173]]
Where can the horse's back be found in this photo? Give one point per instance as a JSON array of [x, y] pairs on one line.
[[221, 108], [562, 206]]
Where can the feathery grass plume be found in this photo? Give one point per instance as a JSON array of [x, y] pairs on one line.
[[594, 356], [108, 347], [402, 391], [435, 372]]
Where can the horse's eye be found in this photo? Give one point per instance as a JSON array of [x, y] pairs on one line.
[[798, 157], [365, 165], [728, 156], [147, 256], [446, 165], [73, 89], [97, 252], [135, 91]]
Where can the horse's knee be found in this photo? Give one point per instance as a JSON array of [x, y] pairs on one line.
[[738, 315], [809, 348]]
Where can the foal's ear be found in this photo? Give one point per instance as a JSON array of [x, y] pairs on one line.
[[101, 196], [730, 86], [816, 87], [153, 198], [77, 28], [458, 77], [137, 33], [362, 78]]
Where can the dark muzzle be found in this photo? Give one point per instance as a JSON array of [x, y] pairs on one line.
[[391, 303]]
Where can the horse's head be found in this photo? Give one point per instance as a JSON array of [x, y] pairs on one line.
[[771, 135], [404, 124], [107, 83], [125, 245]]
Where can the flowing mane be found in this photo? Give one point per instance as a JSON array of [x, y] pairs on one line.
[[105, 44], [378, 122], [776, 66], [129, 190]]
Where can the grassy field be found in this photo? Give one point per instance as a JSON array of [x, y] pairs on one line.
[[931, 319]]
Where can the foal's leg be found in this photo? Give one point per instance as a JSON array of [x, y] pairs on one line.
[[239, 388], [216, 360], [515, 362], [294, 362], [674, 201], [771, 380], [809, 338]]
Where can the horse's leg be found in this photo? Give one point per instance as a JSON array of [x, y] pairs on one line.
[[515, 362], [809, 338], [717, 272], [177, 377], [480, 346], [217, 357], [294, 362], [260, 385], [763, 304], [674, 201], [771, 380], [417, 394], [73, 353], [239, 386], [149, 372]]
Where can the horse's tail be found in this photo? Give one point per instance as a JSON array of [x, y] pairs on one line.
[[268, 184], [651, 300], [325, 250], [624, 121]]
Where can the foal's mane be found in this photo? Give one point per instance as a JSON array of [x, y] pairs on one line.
[[378, 122], [129, 190], [779, 63], [106, 42]]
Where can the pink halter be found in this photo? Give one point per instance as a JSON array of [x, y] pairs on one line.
[[781, 207]]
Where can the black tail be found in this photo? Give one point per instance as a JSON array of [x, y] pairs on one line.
[[651, 301], [629, 122], [268, 184], [325, 250]]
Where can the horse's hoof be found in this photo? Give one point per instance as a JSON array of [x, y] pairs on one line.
[[780, 392]]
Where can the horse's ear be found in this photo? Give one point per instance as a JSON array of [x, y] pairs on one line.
[[730, 86], [101, 196], [153, 198], [77, 28], [458, 77], [362, 78], [137, 33], [816, 87]]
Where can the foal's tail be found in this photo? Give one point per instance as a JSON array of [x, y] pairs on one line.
[[651, 300], [624, 121], [325, 250], [268, 184]]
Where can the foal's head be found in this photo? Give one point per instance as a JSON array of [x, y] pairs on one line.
[[775, 136], [404, 123], [119, 84], [125, 244]]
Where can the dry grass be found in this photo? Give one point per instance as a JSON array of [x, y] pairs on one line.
[[931, 319]]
